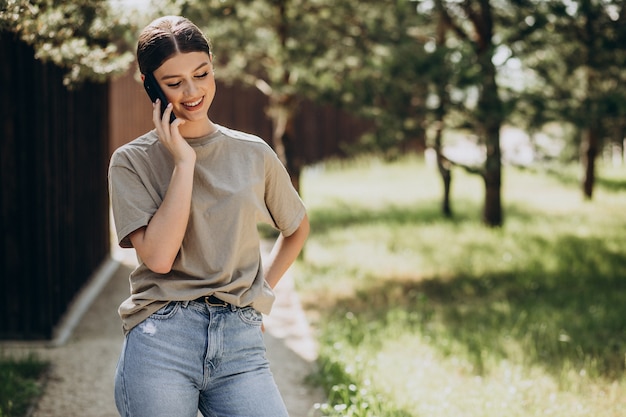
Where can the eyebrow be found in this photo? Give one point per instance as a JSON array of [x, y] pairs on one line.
[[166, 77]]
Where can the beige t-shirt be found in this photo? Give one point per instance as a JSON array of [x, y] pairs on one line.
[[238, 183]]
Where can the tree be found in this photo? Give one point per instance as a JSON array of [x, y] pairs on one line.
[[81, 36], [472, 25], [391, 84], [442, 82], [578, 61]]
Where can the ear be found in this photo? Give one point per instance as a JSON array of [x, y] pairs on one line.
[[143, 77]]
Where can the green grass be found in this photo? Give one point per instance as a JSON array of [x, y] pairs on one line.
[[422, 316], [19, 384]]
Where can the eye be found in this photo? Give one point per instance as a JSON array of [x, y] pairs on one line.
[[204, 74], [173, 85]]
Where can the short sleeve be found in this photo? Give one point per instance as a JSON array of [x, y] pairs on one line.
[[132, 202], [281, 198]]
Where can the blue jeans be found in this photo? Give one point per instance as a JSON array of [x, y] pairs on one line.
[[191, 356]]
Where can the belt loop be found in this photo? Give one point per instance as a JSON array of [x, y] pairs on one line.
[[185, 303]]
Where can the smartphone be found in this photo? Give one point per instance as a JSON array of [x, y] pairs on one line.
[[154, 91]]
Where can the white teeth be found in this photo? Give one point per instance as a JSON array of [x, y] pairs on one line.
[[195, 103]]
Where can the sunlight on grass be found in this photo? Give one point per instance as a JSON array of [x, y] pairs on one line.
[[449, 387], [422, 316]]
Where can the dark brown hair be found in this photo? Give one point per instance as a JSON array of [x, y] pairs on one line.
[[166, 36]]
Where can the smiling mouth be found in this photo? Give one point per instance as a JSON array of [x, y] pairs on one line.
[[193, 104]]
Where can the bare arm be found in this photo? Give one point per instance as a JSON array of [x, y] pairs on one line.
[[285, 252], [158, 243]]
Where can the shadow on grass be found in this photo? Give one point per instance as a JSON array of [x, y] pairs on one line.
[[570, 178], [612, 184], [343, 215], [568, 315]]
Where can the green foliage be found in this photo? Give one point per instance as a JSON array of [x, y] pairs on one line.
[[392, 83], [268, 42], [19, 384], [575, 56], [82, 36], [444, 318]]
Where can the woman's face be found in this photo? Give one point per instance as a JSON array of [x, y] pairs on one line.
[[188, 83]]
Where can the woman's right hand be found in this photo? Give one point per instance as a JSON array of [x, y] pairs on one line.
[[170, 136]]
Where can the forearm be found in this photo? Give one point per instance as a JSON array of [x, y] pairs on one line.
[[159, 242], [285, 252]]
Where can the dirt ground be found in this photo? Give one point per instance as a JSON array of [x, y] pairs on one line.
[[80, 381]]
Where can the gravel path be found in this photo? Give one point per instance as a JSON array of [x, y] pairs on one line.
[[80, 382]]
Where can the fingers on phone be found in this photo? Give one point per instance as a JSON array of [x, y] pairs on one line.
[[163, 118], [155, 112]]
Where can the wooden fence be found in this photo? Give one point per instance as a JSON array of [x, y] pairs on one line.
[[54, 224]]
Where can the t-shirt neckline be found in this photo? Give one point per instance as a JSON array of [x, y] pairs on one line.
[[203, 140], [199, 141]]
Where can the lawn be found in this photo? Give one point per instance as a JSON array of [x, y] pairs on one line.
[[422, 316], [20, 384]]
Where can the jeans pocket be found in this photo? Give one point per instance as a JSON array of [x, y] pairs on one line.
[[250, 316], [167, 311]]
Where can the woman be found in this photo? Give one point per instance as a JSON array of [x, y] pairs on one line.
[[188, 196]]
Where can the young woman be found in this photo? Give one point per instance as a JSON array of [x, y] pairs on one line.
[[188, 196]]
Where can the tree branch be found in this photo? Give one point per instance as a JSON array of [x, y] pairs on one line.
[[467, 168], [450, 23]]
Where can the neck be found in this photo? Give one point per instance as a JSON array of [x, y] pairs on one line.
[[197, 128]]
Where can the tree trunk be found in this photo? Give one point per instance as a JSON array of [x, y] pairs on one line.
[[445, 172], [283, 107], [489, 111], [590, 141], [490, 118], [442, 81], [589, 151], [282, 112], [492, 212]]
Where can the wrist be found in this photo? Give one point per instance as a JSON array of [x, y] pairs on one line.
[[185, 163]]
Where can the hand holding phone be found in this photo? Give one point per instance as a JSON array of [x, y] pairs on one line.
[[154, 92]]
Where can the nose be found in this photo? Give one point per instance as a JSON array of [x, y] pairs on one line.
[[192, 89]]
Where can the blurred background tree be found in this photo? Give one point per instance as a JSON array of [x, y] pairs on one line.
[[575, 61], [468, 34], [82, 36]]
